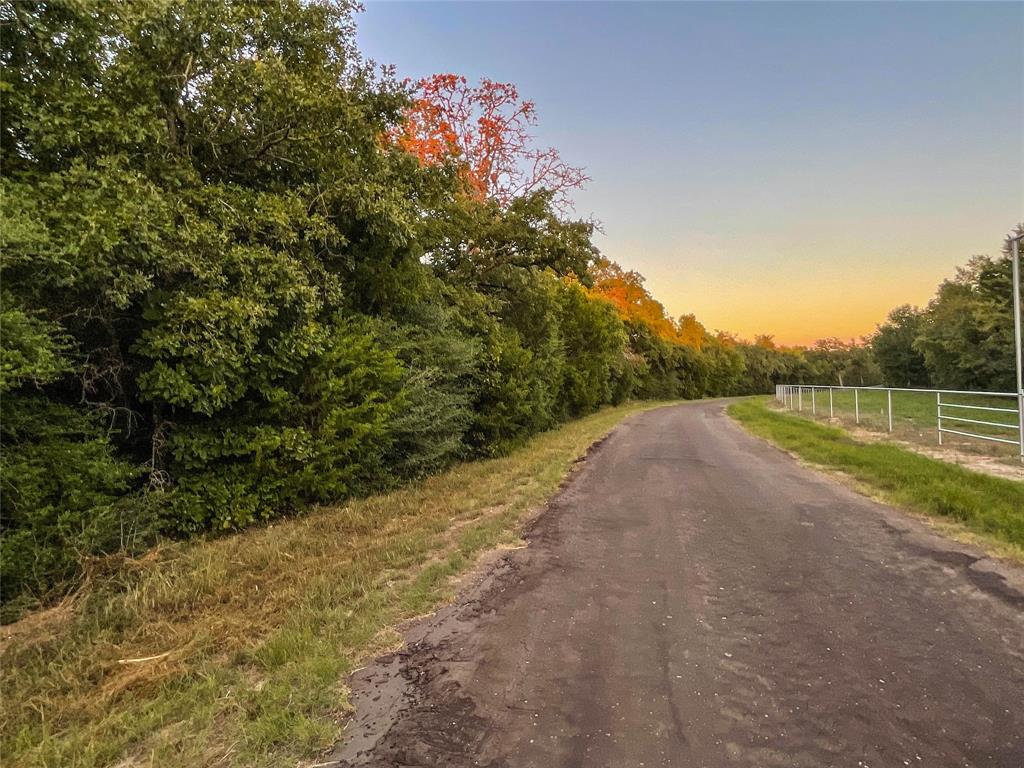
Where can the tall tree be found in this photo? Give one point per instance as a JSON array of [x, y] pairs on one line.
[[196, 199], [486, 130], [967, 337]]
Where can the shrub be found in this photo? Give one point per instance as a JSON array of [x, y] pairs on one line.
[[317, 436], [63, 489]]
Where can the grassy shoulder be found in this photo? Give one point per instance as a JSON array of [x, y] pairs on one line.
[[232, 651], [990, 509]]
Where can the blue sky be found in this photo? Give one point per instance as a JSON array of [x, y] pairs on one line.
[[789, 168]]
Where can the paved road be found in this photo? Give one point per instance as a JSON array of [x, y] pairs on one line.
[[696, 598]]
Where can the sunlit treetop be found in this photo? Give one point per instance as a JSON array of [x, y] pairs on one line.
[[486, 130], [626, 291]]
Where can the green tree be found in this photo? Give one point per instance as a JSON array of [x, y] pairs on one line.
[[61, 482], [196, 204], [593, 336], [893, 345], [967, 335]]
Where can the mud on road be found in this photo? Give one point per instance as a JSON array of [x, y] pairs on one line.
[[693, 597]]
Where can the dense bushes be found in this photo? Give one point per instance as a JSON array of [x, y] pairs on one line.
[[64, 487], [317, 435], [228, 295]]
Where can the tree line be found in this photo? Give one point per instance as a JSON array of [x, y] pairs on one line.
[[963, 338], [246, 271]]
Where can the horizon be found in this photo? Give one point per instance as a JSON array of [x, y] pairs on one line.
[[773, 168]]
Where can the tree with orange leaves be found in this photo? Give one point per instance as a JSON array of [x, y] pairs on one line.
[[692, 332], [625, 289], [486, 130]]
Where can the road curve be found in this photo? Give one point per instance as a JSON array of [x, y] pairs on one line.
[[694, 597]]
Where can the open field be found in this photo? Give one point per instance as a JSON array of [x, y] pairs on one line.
[[231, 651], [914, 418], [990, 507]]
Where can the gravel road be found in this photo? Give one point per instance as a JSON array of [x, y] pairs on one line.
[[695, 597]]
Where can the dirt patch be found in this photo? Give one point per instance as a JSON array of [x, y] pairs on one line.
[[989, 465], [417, 688]]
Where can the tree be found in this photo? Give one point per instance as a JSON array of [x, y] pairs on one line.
[[691, 332], [967, 335], [477, 243], [893, 345], [626, 292], [196, 205], [485, 130], [593, 337]]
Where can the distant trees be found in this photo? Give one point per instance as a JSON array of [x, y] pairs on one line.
[[963, 339], [895, 350], [625, 290], [843, 363], [966, 338]]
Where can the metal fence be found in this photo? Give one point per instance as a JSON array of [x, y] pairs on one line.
[[989, 421]]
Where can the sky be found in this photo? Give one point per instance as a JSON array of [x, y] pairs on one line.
[[796, 169]]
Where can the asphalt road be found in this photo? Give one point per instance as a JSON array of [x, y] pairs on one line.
[[694, 597]]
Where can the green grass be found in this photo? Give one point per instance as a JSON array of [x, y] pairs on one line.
[[232, 651], [914, 417], [990, 507]]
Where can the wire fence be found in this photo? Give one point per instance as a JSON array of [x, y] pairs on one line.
[[979, 422]]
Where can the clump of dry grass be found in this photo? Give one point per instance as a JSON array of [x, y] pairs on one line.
[[231, 651]]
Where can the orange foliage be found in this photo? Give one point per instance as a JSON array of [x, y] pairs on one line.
[[486, 129], [691, 332], [727, 339], [626, 291]]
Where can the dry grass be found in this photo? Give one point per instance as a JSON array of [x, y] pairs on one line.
[[231, 651]]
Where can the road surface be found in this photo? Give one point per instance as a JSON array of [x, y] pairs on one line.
[[694, 597]]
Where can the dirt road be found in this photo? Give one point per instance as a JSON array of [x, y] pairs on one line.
[[696, 598]]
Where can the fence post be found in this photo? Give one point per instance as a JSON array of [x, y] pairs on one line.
[[856, 405], [1020, 422], [889, 393], [938, 414], [1018, 352], [831, 413], [801, 398], [814, 401]]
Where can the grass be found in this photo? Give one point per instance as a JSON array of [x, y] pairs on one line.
[[989, 507], [914, 417], [232, 651]]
